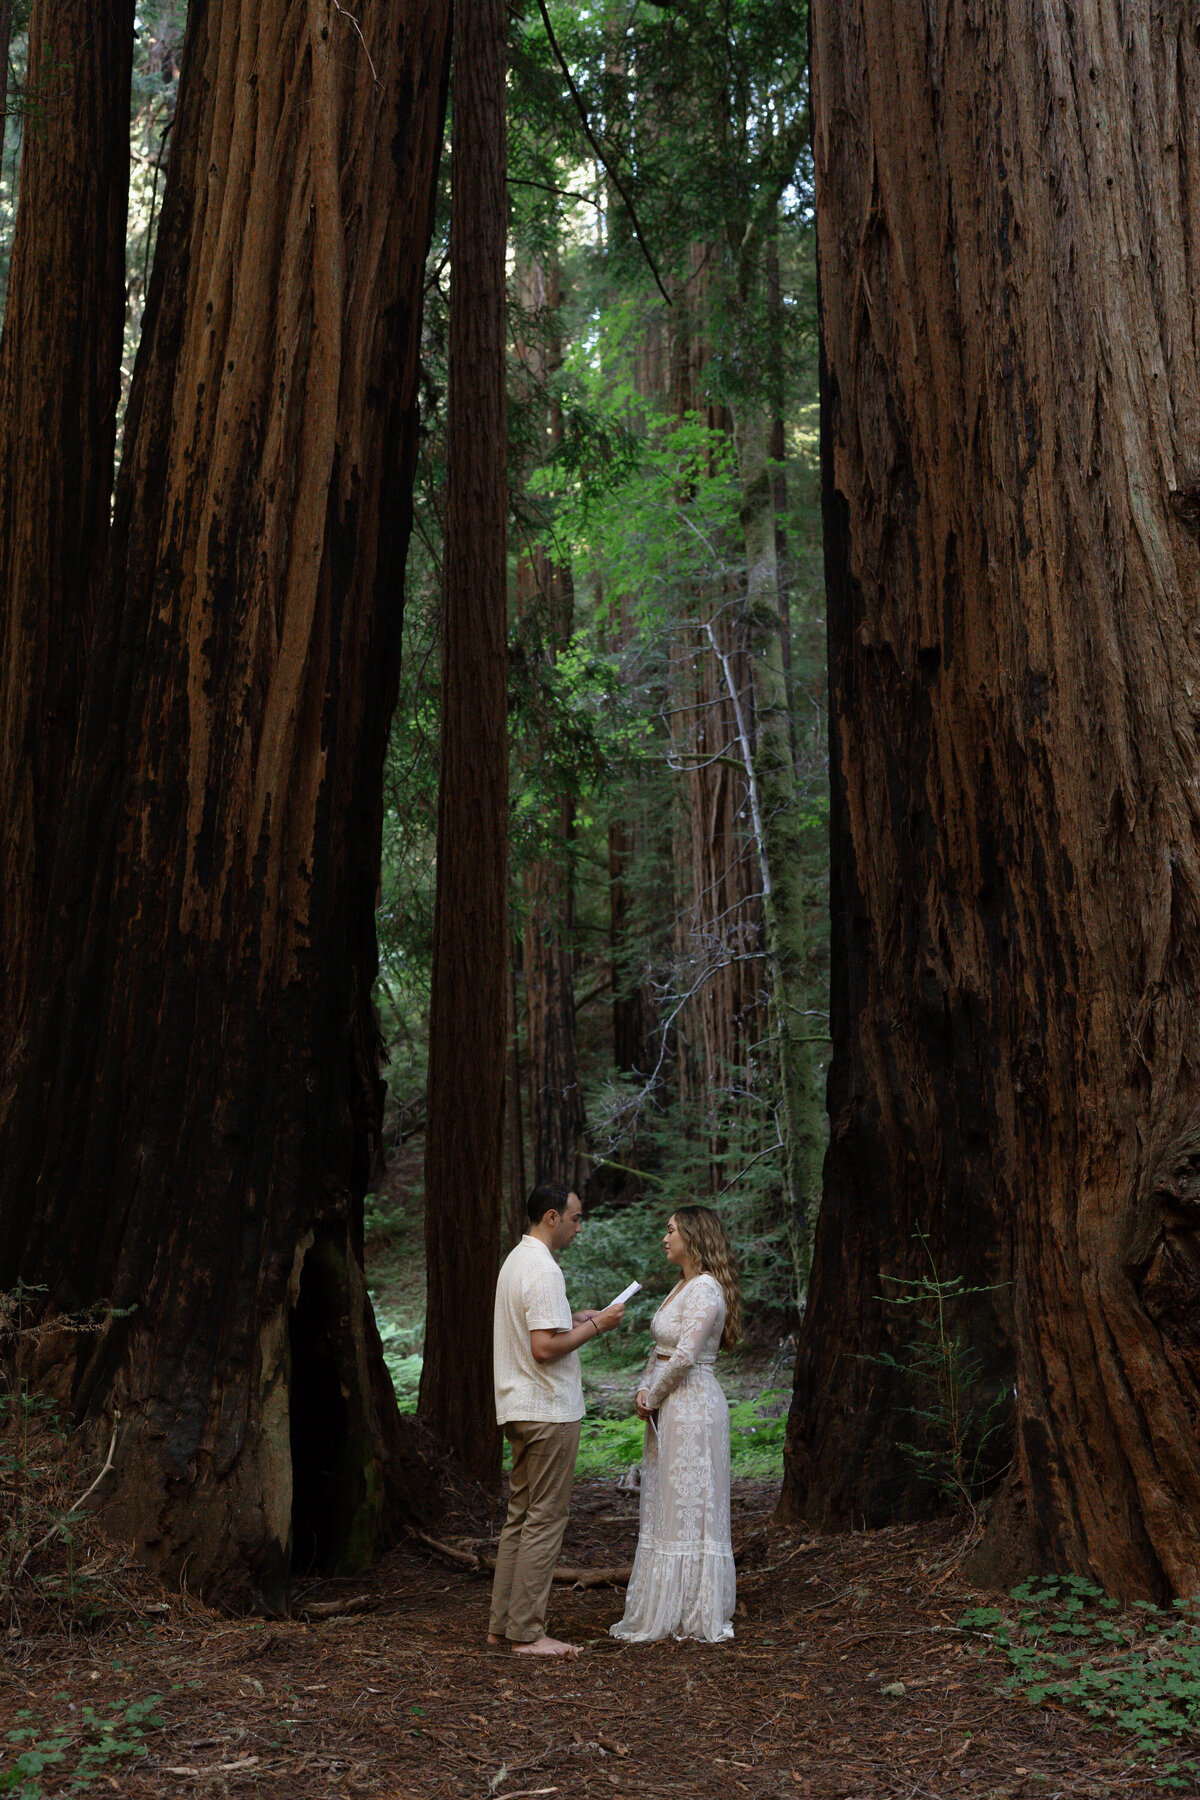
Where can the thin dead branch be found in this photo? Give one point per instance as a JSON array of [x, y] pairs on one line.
[[60, 1525]]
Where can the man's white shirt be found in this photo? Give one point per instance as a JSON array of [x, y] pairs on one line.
[[531, 1295]]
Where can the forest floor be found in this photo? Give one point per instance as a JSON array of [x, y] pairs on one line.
[[400, 1698]]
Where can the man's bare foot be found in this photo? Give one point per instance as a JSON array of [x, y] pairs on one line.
[[546, 1646], [494, 1643]]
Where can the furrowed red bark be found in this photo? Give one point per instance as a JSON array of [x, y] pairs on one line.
[[60, 375], [464, 1134], [196, 1109], [1012, 504]]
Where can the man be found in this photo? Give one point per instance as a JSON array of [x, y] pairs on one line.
[[539, 1403]]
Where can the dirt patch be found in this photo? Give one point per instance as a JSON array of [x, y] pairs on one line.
[[400, 1699]]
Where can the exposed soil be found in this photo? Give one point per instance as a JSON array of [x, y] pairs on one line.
[[401, 1698]]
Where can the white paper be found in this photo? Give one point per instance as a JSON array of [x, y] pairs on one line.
[[626, 1294]]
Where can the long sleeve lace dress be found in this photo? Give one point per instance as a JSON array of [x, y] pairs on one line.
[[683, 1582]]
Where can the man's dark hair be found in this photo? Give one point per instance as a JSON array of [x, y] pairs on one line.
[[548, 1196]]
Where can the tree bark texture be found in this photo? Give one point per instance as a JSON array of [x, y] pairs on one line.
[[464, 1135], [196, 1109], [60, 374], [1012, 506], [546, 608]]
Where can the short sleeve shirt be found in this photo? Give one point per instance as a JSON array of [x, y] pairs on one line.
[[531, 1295]]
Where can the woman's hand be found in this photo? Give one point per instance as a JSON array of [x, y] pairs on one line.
[[642, 1403]]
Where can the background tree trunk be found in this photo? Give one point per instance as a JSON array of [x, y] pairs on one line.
[[777, 449], [5, 46], [196, 1110], [639, 941], [719, 932], [633, 1012], [1012, 497], [546, 608], [516, 1217], [557, 1124], [464, 1135], [60, 374], [776, 814]]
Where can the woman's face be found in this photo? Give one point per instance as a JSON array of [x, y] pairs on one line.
[[673, 1243]]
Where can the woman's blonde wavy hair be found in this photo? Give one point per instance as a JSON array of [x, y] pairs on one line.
[[703, 1233]]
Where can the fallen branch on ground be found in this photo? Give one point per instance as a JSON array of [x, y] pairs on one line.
[[467, 1558], [332, 1609], [616, 1576], [61, 1525], [588, 1578]]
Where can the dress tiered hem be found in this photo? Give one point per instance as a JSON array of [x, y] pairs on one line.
[[681, 1593]]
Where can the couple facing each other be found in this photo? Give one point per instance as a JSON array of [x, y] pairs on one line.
[[683, 1582]]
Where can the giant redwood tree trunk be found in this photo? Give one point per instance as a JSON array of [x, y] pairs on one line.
[[1012, 506], [464, 1133], [192, 1127], [60, 375]]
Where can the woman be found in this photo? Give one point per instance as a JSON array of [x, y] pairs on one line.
[[683, 1581]]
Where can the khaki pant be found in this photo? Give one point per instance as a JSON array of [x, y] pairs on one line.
[[543, 1474]]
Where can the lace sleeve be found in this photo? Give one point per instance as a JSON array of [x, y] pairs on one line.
[[648, 1371], [700, 1310]]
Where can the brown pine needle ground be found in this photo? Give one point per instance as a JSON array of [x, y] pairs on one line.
[[396, 1696]]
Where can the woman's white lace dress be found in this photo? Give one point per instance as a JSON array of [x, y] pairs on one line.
[[683, 1582]]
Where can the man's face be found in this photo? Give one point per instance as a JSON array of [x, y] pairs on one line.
[[567, 1228]]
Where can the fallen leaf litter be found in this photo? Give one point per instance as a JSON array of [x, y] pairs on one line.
[[847, 1680]]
